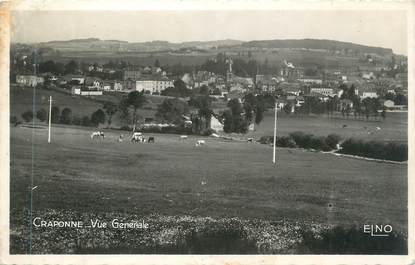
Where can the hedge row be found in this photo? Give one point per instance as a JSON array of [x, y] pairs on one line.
[[371, 149], [374, 149], [306, 141]]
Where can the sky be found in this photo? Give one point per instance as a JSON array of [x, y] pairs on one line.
[[380, 28]]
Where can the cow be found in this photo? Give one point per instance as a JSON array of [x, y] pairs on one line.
[[344, 126], [200, 142], [183, 137], [97, 134], [137, 137], [150, 139], [250, 140]]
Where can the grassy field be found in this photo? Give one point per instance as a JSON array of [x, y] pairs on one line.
[[393, 129], [75, 172]]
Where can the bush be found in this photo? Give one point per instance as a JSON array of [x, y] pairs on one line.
[[27, 116], [285, 141], [86, 121], [76, 120], [266, 140], [42, 115], [374, 149], [332, 140], [207, 132], [66, 116], [302, 140]]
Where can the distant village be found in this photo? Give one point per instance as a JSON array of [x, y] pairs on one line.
[[294, 88]]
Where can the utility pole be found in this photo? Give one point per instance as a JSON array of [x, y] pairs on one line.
[[275, 134], [50, 117]]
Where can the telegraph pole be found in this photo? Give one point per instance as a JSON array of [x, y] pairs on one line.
[[50, 117], [275, 134]]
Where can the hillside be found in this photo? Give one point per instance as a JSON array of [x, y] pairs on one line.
[[329, 45], [95, 44]]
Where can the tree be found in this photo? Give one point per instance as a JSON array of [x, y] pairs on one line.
[[171, 110], [287, 108], [249, 105], [66, 116], [27, 116], [227, 121], [71, 67], [42, 115], [123, 107], [110, 109], [204, 105], [239, 123], [55, 116], [179, 90], [98, 117], [86, 121], [136, 100]]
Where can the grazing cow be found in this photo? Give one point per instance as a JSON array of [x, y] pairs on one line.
[[344, 126], [183, 137], [250, 140], [121, 138], [150, 139], [378, 128], [137, 137], [97, 134], [200, 142]]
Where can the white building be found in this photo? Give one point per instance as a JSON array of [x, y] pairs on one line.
[[326, 91], [79, 91], [368, 94], [215, 124], [153, 85], [29, 80]]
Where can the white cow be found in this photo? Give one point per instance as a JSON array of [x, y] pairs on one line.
[[183, 137], [200, 142]]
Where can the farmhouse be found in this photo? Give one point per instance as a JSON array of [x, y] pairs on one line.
[[93, 83], [76, 90], [116, 85], [73, 78], [29, 80]]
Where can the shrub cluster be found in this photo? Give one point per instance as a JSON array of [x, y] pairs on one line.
[[375, 149], [302, 140]]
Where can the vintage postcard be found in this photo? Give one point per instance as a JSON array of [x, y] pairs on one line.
[[181, 132]]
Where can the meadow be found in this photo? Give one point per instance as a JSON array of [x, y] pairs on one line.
[[220, 179], [393, 129]]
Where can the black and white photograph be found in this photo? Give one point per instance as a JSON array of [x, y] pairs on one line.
[[208, 132]]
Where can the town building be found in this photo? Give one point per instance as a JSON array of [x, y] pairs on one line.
[[131, 75], [153, 85], [29, 80], [289, 72]]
